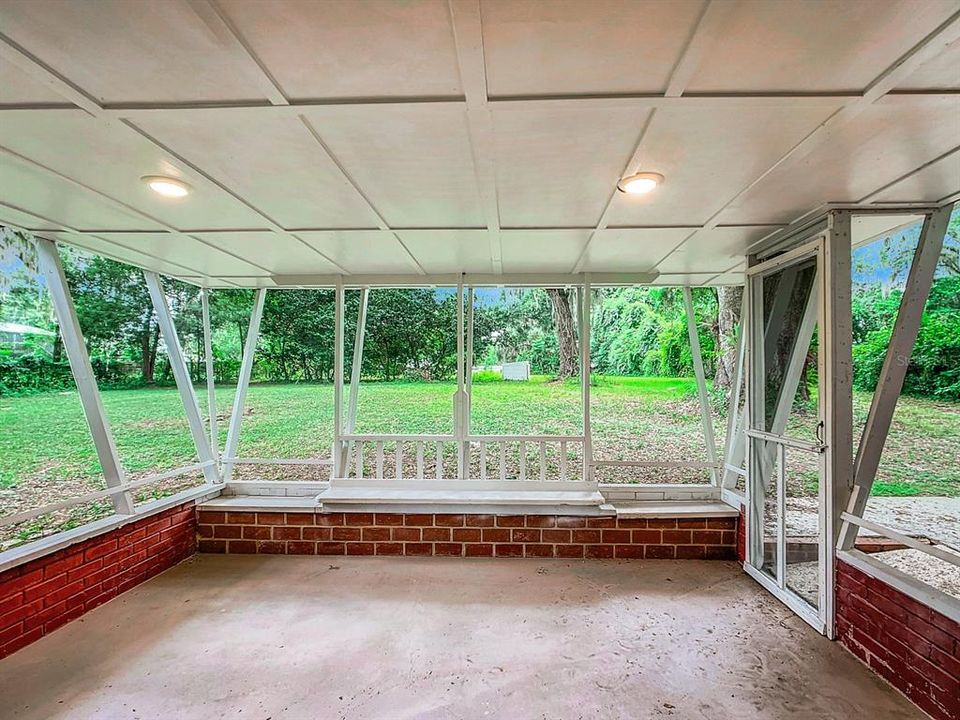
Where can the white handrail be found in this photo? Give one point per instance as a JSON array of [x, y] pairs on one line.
[[96, 495], [952, 558], [657, 464], [279, 461]]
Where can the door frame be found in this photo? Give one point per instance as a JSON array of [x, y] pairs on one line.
[[817, 617]]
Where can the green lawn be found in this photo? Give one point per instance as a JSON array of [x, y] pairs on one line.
[[46, 453]]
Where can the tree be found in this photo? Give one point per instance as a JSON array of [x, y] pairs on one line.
[[729, 313], [563, 327]]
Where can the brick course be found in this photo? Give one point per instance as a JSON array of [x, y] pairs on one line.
[[41, 595], [448, 535], [911, 646]]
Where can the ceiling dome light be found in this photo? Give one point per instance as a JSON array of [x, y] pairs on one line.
[[167, 186], [640, 183]]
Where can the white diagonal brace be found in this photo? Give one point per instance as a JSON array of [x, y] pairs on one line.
[[243, 382], [705, 34], [48, 260], [735, 445], [706, 415], [895, 366], [178, 365], [355, 372]]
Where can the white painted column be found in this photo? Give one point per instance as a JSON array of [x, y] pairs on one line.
[[243, 382], [836, 399], [706, 415], [460, 397], [338, 469], [468, 381], [585, 329], [736, 436], [895, 366], [181, 374], [211, 379], [48, 260]]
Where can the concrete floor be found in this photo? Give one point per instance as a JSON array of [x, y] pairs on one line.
[[284, 637]]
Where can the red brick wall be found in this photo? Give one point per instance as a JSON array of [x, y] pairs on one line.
[[540, 536], [911, 646], [41, 595], [742, 536]]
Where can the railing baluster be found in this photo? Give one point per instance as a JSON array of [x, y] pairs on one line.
[[543, 461], [483, 460], [399, 459], [419, 460], [503, 459], [439, 460], [523, 460], [380, 460], [563, 461]]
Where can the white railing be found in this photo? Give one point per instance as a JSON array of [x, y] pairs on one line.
[[478, 457], [100, 494], [882, 530]]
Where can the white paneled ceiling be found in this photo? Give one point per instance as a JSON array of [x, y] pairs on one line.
[[431, 137]]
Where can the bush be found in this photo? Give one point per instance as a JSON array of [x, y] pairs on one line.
[[28, 374]]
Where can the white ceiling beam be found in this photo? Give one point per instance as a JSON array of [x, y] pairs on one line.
[[46, 76], [224, 32], [469, 279], [705, 33], [468, 38]]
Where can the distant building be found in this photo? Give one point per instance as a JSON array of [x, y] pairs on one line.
[[22, 339]]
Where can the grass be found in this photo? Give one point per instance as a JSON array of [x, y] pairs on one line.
[[46, 453]]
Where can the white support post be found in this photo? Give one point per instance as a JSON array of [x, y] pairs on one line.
[[48, 260], [706, 415], [178, 365], [836, 395], [355, 371], [895, 366], [243, 382], [338, 467], [585, 325], [211, 379], [460, 397]]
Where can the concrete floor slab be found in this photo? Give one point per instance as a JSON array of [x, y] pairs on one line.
[[257, 637]]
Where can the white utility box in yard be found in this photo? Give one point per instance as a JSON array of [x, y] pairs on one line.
[[516, 371]]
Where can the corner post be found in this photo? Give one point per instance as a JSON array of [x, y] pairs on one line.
[[585, 326], [338, 460], [211, 379]]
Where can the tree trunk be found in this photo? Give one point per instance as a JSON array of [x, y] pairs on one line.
[[563, 326], [730, 308], [149, 342]]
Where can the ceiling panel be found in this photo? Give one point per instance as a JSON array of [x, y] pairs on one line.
[[542, 251], [450, 251], [352, 48], [534, 47], [706, 157], [19, 88], [17, 218], [122, 52], [882, 143], [867, 228], [735, 276], [638, 250], [558, 167], [107, 248], [61, 202], [112, 160], [813, 46], [937, 180], [414, 162], [183, 250], [715, 249], [244, 151], [275, 253], [362, 251]]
